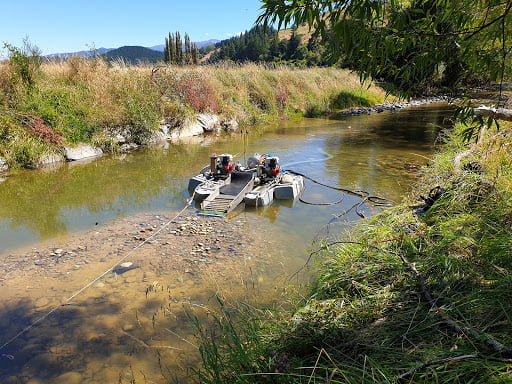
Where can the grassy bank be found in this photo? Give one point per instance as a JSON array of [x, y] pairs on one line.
[[412, 297], [44, 107]]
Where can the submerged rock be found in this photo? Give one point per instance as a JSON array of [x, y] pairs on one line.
[[124, 267]]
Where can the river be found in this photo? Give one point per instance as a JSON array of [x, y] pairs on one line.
[[64, 321]]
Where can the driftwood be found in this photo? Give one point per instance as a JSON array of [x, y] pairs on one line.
[[495, 113], [495, 346]]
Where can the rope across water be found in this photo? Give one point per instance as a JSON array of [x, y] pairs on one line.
[[74, 295]]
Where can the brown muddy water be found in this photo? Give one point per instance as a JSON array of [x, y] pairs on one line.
[[64, 320]]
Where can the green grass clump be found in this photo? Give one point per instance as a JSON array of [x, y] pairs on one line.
[[414, 298]]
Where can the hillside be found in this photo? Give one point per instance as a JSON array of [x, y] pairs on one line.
[[291, 46], [302, 31], [134, 55]]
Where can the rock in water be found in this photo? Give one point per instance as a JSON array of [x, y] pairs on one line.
[[4, 166], [81, 151], [124, 267]]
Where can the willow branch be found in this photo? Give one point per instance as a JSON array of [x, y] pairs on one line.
[[494, 345]]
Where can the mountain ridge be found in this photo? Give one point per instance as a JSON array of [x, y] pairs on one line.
[[103, 51]]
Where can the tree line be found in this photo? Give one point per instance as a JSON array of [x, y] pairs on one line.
[[178, 52], [262, 44], [413, 45]]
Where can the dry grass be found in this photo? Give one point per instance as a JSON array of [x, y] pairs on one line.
[[81, 98]]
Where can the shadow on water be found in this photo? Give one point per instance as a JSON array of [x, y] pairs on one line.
[[93, 341], [53, 347]]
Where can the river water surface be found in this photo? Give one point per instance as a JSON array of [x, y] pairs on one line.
[[64, 321]]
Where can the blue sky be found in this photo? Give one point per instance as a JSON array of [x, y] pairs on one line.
[[58, 26]]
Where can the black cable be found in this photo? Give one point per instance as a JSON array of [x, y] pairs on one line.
[[333, 203], [377, 200]]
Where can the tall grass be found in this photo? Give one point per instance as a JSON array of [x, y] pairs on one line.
[[369, 317], [83, 99]]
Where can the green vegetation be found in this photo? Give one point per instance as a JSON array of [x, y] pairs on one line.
[[415, 44], [173, 51], [45, 106], [406, 298], [262, 44], [420, 293], [134, 55]]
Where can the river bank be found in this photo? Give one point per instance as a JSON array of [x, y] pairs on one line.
[[111, 107], [361, 154], [419, 293]]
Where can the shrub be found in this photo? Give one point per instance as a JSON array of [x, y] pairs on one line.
[[23, 63], [197, 93], [64, 109]]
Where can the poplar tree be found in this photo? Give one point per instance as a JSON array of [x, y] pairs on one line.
[[172, 49], [177, 52], [166, 51], [188, 50], [179, 49], [195, 54]]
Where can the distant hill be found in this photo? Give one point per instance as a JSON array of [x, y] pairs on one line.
[[103, 51], [134, 55], [89, 53], [200, 44]]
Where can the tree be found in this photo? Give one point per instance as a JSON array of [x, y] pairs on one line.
[[293, 44], [24, 62], [412, 44], [179, 49], [188, 50], [195, 54], [170, 49]]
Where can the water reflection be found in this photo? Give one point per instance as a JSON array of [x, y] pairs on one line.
[[374, 152], [122, 330]]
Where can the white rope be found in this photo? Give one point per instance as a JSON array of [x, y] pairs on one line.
[[33, 324]]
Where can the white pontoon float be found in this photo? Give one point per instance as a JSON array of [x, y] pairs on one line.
[[222, 186]]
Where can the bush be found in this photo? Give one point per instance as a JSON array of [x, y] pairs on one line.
[[23, 63], [64, 109], [197, 93]]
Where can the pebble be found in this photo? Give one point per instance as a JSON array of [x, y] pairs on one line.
[[68, 378], [42, 302]]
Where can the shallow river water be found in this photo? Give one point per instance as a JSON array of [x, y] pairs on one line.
[[64, 320]]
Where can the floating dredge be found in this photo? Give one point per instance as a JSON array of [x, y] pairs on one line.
[[222, 185]]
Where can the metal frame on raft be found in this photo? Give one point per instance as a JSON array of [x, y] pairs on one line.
[[223, 185]]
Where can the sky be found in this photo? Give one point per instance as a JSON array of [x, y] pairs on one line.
[[58, 26]]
